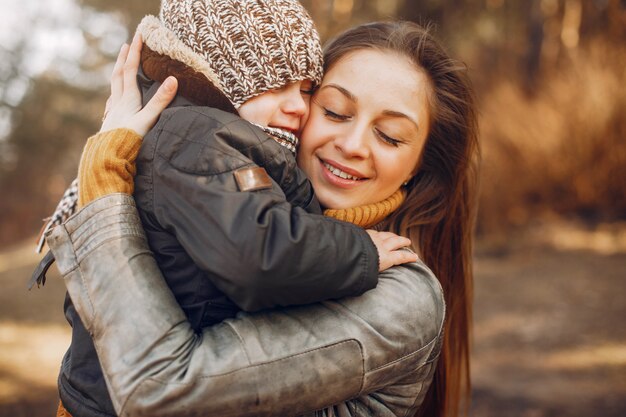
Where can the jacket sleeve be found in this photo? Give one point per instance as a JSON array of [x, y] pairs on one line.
[[350, 355], [256, 247]]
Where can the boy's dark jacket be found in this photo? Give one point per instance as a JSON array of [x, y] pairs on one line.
[[221, 249]]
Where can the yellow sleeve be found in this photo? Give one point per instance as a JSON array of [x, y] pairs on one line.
[[107, 164]]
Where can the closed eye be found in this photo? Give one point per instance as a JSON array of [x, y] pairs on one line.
[[387, 138], [334, 116]]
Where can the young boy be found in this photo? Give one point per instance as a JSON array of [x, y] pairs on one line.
[[233, 222]]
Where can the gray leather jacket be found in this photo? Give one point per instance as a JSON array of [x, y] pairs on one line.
[[369, 355]]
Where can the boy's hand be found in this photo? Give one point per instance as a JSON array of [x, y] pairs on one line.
[[390, 249]]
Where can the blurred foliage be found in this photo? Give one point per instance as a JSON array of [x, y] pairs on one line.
[[130, 12], [562, 149], [549, 76]]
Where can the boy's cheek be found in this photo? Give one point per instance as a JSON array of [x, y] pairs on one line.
[[305, 117], [303, 121]]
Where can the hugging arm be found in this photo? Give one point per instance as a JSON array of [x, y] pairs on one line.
[[369, 355]]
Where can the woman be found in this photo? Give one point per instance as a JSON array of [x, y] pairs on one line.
[[373, 127]]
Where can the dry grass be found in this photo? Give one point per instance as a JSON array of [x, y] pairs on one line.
[[560, 150]]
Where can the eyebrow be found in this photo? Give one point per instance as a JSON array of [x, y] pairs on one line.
[[394, 113], [343, 91], [354, 99]]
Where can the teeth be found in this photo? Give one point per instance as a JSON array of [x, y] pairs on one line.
[[340, 173]]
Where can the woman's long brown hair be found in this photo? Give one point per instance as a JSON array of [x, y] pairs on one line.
[[438, 214]]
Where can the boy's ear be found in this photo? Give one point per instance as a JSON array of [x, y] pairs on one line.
[[192, 84]]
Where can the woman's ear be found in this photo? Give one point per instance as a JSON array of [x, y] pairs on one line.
[[411, 176]]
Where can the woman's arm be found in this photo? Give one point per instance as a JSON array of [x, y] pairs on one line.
[[114, 149], [283, 362]]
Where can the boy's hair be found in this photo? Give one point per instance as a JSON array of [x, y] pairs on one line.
[[252, 46]]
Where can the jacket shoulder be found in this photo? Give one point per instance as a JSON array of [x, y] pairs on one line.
[[200, 114], [203, 140]]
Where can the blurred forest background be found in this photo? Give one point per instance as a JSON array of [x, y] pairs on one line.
[[551, 252], [550, 76]]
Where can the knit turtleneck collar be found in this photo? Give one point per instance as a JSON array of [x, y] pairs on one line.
[[370, 214]]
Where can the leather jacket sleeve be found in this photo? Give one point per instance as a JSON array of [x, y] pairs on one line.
[[368, 355], [259, 249]]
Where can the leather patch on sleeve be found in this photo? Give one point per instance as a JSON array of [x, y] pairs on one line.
[[251, 179]]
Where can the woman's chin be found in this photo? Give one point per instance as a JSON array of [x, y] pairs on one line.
[[337, 200]]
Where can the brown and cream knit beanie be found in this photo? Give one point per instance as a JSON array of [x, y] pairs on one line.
[[252, 46]]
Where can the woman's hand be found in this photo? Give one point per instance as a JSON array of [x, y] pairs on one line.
[[392, 249], [107, 164], [123, 108]]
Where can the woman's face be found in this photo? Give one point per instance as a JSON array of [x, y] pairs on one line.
[[366, 130]]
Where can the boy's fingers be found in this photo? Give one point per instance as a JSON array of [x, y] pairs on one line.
[[117, 80], [402, 257], [396, 242], [386, 235], [396, 257]]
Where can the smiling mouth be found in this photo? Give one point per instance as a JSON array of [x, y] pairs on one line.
[[285, 129], [283, 136], [339, 173]]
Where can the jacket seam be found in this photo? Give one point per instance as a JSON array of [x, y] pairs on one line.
[[365, 274], [185, 137], [260, 141], [287, 183], [244, 163], [348, 227], [73, 405], [157, 381], [88, 295], [152, 198], [85, 227], [413, 353], [254, 365], [236, 152], [279, 154], [261, 138], [132, 392], [78, 220], [406, 412], [243, 346], [99, 243]]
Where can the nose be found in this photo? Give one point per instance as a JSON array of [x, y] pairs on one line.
[[293, 102], [353, 143]]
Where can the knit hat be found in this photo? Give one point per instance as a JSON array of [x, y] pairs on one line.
[[252, 46]]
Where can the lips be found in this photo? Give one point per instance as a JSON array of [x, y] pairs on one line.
[[341, 172], [291, 130]]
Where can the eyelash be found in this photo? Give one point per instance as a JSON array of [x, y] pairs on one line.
[[335, 116], [388, 139], [310, 91], [341, 118]]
